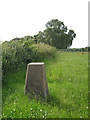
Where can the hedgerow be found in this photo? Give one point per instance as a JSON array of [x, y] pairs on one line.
[[15, 53]]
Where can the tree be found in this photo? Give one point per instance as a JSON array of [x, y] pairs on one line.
[[57, 25], [41, 37], [71, 35], [56, 34]]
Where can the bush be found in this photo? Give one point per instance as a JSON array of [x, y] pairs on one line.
[[15, 53]]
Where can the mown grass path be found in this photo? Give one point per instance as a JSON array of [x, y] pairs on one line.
[[67, 76]]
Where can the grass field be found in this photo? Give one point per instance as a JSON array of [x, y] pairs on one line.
[[67, 76]]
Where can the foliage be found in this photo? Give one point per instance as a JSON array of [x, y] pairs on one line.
[[18, 51], [56, 35], [68, 90]]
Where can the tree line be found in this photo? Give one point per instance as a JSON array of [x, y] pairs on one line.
[[77, 49], [56, 34]]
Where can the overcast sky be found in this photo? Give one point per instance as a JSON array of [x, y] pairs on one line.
[[19, 18]]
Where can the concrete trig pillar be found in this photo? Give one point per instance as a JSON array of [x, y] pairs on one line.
[[36, 82]]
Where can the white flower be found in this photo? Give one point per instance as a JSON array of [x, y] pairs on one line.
[[20, 112], [40, 110], [80, 116]]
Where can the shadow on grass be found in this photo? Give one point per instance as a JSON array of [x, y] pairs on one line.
[[53, 100]]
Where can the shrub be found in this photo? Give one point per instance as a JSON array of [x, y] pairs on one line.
[[15, 53]]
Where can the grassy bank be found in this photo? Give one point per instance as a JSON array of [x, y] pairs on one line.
[[67, 76]]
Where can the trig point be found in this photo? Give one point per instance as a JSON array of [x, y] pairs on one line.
[[36, 82]]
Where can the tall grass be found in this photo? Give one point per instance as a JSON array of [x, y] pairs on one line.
[[67, 76]]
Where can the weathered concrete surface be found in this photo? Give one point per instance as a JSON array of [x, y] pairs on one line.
[[36, 82]]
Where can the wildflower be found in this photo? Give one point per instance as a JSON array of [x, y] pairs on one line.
[[20, 112], [41, 110], [31, 109], [87, 107], [80, 116]]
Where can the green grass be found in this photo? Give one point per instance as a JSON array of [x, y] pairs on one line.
[[67, 76]]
